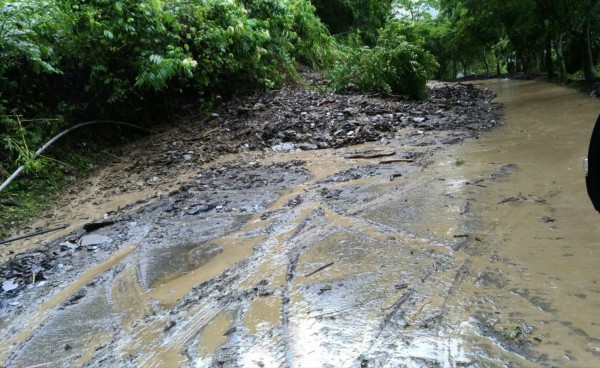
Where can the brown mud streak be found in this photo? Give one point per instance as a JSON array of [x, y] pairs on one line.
[[262, 121]]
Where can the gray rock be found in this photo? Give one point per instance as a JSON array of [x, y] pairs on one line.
[[94, 239], [452, 140], [284, 147], [9, 285], [308, 146]]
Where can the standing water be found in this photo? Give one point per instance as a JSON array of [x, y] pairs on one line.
[[481, 255], [537, 276]]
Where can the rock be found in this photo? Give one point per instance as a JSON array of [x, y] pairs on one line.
[[425, 126], [9, 285], [308, 146], [97, 225], [419, 119], [94, 239], [452, 140], [194, 210], [187, 157], [71, 246], [284, 147]]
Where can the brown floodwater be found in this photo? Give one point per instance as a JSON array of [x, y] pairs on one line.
[[540, 264], [483, 253]]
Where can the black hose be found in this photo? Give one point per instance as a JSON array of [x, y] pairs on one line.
[[60, 135], [35, 233]]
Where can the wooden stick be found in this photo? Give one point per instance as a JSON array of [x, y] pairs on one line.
[[370, 155], [395, 160], [35, 233], [319, 269]]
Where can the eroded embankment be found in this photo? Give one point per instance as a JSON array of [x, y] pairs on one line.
[[324, 257]]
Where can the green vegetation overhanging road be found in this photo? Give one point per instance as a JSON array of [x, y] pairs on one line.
[[67, 61]]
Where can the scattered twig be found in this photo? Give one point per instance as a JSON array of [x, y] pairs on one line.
[[510, 199], [340, 311], [319, 269], [462, 236], [394, 176], [192, 139], [418, 312], [401, 286], [325, 101], [35, 233], [398, 303], [394, 307]]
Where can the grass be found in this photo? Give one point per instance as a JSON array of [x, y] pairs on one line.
[[37, 192], [511, 334], [459, 162]]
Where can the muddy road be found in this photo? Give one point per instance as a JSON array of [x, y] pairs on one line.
[[401, 241]]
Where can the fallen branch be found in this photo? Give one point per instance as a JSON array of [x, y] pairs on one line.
[[10, 202], [395, 160], [35, 233], [370, 155], [394, 308], [319, 269], [97, 225], [57, 137]]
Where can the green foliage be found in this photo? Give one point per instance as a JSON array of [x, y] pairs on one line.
[[520, 36], [121, 59], [64, 61], [352, 19], [393, 66]]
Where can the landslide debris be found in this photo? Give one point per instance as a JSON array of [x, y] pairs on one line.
[[293, 118]]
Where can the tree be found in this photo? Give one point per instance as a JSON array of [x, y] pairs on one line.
[[578, 19], [354, 17]]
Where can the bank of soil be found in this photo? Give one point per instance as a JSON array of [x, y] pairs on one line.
[[291, 228]]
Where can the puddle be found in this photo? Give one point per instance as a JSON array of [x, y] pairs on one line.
[[214, 335], [263, 311], [179, 260]]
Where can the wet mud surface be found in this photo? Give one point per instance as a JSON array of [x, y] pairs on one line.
[[373, 250]]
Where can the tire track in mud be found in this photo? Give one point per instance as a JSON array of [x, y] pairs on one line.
[[307, 226]]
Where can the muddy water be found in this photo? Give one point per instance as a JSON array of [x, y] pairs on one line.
[[480, 254], [538, 265]]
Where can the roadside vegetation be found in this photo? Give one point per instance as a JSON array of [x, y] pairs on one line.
[[68, 61]]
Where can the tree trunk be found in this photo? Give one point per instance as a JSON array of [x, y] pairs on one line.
[[548, 57], [586, 50], [454, 69], [560, 58], [497, 57], [485, 62]]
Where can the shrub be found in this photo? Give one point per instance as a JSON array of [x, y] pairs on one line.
[[134, 59], [393, 66]]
